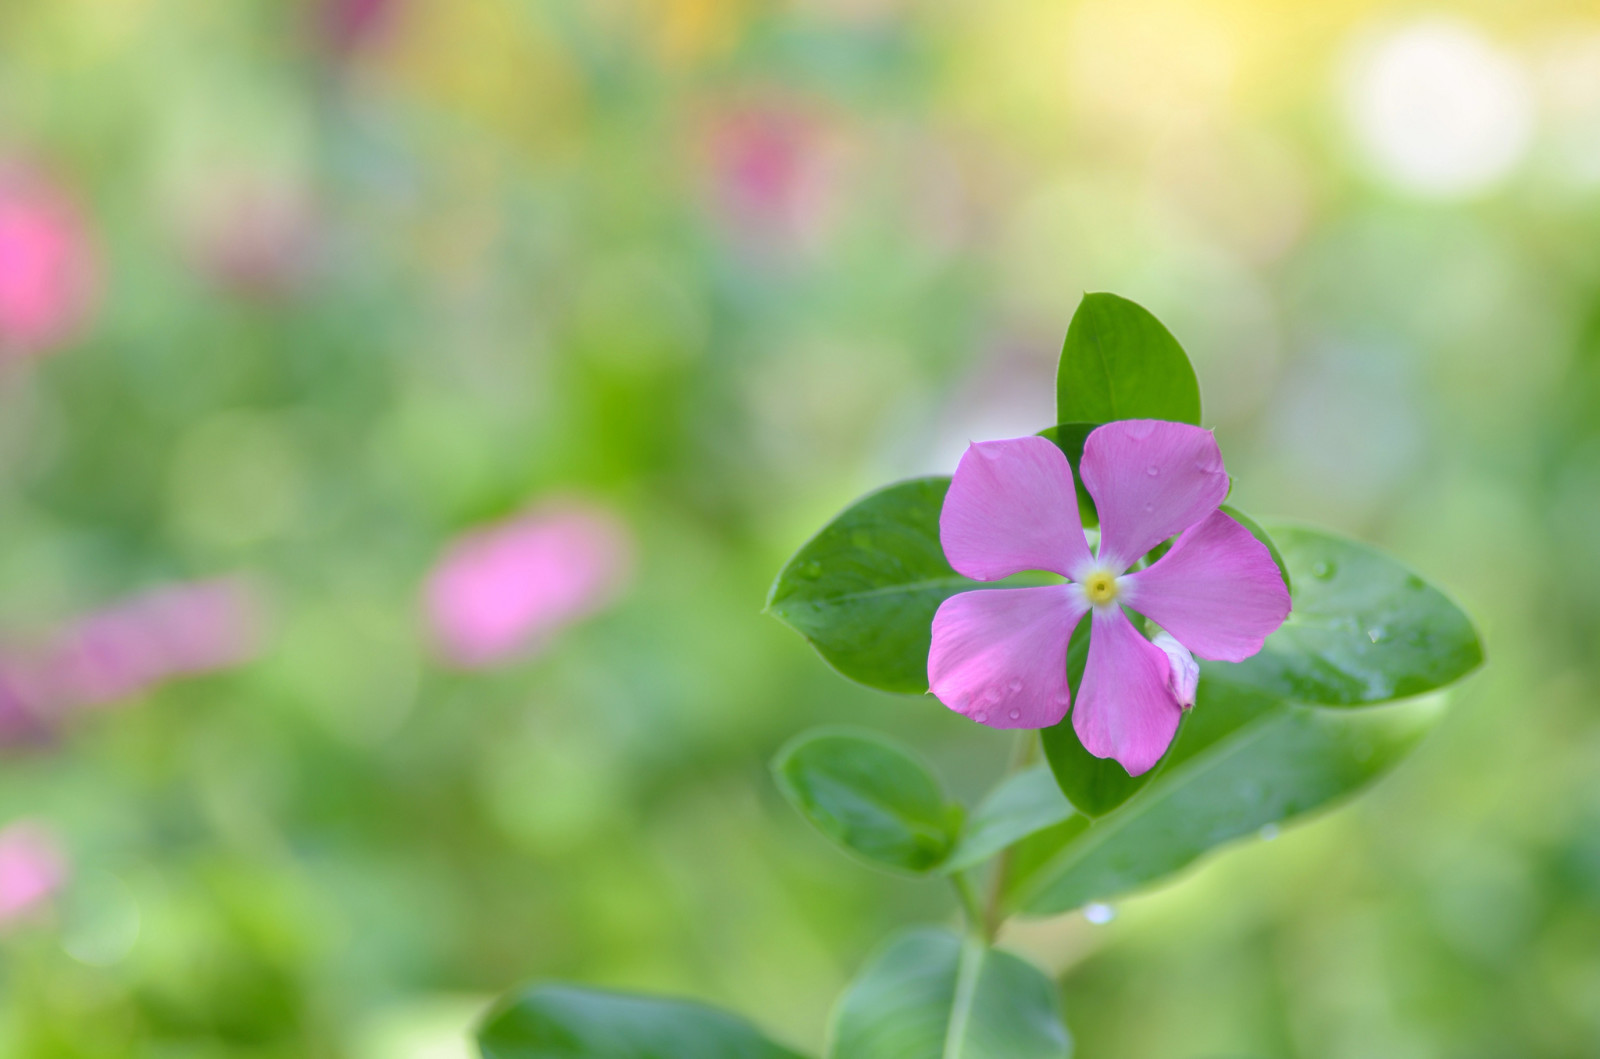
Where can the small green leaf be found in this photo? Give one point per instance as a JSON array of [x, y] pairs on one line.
[[1023, 803], [566, 1022], [928, 995], [1069, 438], [1119, 362], [1243, 761], [865, 589], [871, 796], [1364, 629], [1264, 537]]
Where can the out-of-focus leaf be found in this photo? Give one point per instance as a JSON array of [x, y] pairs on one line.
[[929, 995], [869, 795], [1243, 761], [865, 589], [566, 1022], [1119, 362], [1024, 803], [1364, 629]]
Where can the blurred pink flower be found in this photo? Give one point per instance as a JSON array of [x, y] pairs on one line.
[[506, 589], [129, 647], [254, 236], [343, 26], [774, 174], [32, 868], [47, 266]]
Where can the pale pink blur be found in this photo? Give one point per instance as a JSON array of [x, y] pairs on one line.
[[252, 235], [32, 868], [774, 172], [47, 265], [127, 648], [347, 25], [503, 591]]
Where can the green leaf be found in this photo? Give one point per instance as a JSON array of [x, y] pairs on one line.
[[1069, 438], [871, 796], [929, 995], [1364, 629], [1093, 785], [1022, 804], [1244, 760], [865, 589], [1264, 537], [1119, 362], [566, 1022]]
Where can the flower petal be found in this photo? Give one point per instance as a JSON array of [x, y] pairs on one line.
[[999, 656], [1217, 591], [1183, 672], [1125, 709], [1012, 507], [1149, 479]]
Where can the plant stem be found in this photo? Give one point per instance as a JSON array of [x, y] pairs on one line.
[[971, 905], [1022, 754]]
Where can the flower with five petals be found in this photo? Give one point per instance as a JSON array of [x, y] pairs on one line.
[[999, 656]]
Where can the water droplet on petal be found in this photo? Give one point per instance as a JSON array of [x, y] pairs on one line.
[[1063, 698], [981, 717], [1098, 913], [1268, 832], [1152, 470], [1149, 506], [1016, 685], [1016, 715]]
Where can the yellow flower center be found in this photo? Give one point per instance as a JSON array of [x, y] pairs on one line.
[[1100, 587]]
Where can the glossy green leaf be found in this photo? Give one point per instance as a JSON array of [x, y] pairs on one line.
[[1022, 804], [1243, 761], [1264, 537], [1119, 362], [869, 795], [566, 1022], [1069, 438], [865, 589], [1095, 786], [929, 995], [1364, 629]]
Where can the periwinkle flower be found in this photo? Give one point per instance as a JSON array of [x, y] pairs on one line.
[[32, 868], [999, 656], [504, 590], [47, 266]]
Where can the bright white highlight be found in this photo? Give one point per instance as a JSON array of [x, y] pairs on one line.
[[1439, 109]]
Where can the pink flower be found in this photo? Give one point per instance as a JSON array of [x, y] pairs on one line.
[[505, 590], [32, 867], [125, 649], [1000, 656], [46, 265]]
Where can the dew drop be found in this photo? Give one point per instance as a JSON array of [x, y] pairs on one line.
[[1323, 570], [1152, 470], [1063, 698], [1268, 832], [1377, 634], [811, 571], [1016, 715], [1098, 913], [1149, 506], [980, 717], [861, 539], [1016, 685]]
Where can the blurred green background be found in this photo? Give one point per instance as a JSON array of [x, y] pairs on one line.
[[367, 275]]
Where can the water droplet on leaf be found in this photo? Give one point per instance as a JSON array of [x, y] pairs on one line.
[[1268, 832], [811, 570], [1377, 634], [1098, 913], [1323, 570]]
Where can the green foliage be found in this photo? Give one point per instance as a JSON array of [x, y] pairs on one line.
[[869, 795], [1024, 803], [1119, 362], [1242, 762], [565, 1022], [1364, 629], [865, 589], [928, 995]]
